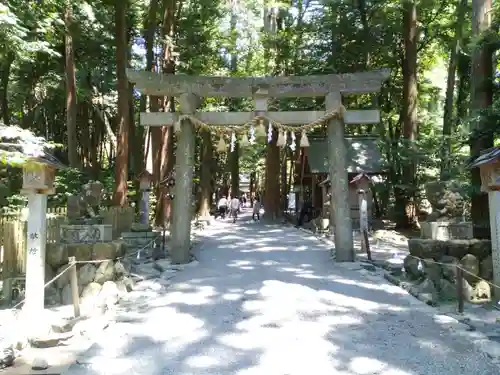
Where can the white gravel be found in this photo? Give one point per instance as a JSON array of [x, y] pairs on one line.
[[267, 300]]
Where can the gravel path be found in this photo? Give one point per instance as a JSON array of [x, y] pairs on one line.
[[267, 300]]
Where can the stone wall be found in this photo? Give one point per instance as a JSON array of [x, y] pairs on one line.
[[432, 264], [100, 283]]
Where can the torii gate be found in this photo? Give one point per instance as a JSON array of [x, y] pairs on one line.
[[189, 90]]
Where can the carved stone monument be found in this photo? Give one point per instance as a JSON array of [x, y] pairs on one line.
[[84, 207], [85, 224]]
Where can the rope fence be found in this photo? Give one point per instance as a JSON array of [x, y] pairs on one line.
[[459, 279], [72, 262]]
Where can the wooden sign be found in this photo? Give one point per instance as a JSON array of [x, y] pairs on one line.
[[363, 223]]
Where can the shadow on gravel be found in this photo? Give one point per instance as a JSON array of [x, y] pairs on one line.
[[268, 297]]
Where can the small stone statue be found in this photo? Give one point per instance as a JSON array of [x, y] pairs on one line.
[[446, 200], [84, 207]]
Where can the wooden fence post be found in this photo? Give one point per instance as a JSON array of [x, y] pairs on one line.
[[74, 286], [460, 289], [363, 223]]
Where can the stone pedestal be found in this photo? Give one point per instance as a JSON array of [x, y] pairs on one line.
[[136, 240], [86, 233], [443, 231]]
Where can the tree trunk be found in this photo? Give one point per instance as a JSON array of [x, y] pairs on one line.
[[73, 158], [153, 142], [95, 141], [167, 159], [252, 190], [234, 156], [407, 214], [448, 123], [121, 165], [206, 173], [481, 99], [463, 89], [4, 81], [272, 184], [283, 185]]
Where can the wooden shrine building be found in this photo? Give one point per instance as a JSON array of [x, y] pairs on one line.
[[363, 161]]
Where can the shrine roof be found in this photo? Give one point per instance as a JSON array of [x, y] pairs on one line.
[[362, 155], [488, 156]]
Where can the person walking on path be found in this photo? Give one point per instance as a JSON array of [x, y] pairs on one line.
[[256, 210], [222, 207], [235, 206]]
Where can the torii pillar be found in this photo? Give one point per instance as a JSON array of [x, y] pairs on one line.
[[182, 210], [340, 211]]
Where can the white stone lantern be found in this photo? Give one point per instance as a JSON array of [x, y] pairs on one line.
[[489, 167], [145, 180]]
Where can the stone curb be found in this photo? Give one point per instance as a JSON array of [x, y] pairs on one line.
[[455, 326]]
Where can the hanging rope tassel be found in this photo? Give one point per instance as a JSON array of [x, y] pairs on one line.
[[261, 129], [304, 142], [177, 126], [233, 141], [281, 142], [221, 145], [252, 135], [293, 143], [244, 142]]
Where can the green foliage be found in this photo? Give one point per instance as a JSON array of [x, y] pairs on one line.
[[312, 37]]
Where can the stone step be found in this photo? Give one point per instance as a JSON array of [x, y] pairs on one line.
[[127, 235], [138, 243]]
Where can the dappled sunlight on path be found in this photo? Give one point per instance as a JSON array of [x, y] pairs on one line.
[[267, 300]]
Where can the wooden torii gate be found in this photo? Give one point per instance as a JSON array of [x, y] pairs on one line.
[[190, 89]]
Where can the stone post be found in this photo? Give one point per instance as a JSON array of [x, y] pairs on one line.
[[35, 257], [145, 179], [489, 169], [363, 210], [494, 205], [184, 165], [340, 212], [37, 184]]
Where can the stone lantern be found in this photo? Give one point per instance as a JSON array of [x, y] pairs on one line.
[[145, 180], [38, 177], [38, 182], [489, 167]]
